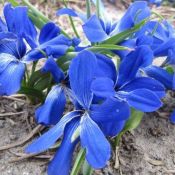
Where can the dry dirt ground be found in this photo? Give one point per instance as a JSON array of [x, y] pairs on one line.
[[149, 150]]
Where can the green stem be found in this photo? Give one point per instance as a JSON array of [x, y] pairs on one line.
[[71, 21], [78, 162], [87, 169], [73, 27], [27, 74], [88, 8], [98, 7], [35, 11], [158, 15], [117, 139], [34, 67]]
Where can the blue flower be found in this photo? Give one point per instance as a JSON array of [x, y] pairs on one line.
[[16, 27], [12, 68], [156, 2], [161, 75], [51, 111], [87, 120], [97, 30], [18, 22], [50, 43], [141, 93]]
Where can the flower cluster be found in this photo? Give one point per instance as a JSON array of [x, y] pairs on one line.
[[102, 91]]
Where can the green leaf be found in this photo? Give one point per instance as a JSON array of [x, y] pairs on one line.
[[170, 69], [32, 93], [78, 162], [42, 83], [87, 169], [125, 34], [102, 47], [35, 77], [131, 124], [134, 120]]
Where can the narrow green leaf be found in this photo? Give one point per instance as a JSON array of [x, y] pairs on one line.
[[131, 124], [125, 34], [31, 92], [76, 134], [42, 83], [102, 47], [34, 78], [78, 162], [88, 8], [134, 120], [14, 2], [87, 169]]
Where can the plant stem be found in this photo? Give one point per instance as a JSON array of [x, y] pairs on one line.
[[88, 8], [71, 21], [78, 162], [35, 11], [73, 27], [98, 7], [34, 67]]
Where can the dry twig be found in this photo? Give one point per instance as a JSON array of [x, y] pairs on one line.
[[21, 142]]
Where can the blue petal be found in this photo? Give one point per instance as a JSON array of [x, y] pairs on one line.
[[112, 128], [94, 30], [57, 51], [81, 74], [130, 43], [36, 54], [10, 45], [130, 65], [162, 50], [144, 100], [145, 83], [52, 110], [61, 163], [18, 22], [67, 11], [51, 66], [5, 60], [172, 117], [111, 110], [50, 137], [3, 27], [137, 12], [48, 32], [11, 77], [171, 56], [71, 12], [149, 27], [144, 40], [97, 147], [106, 67], [8, 35], [161, 75], [33, 55], [103, 87]]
